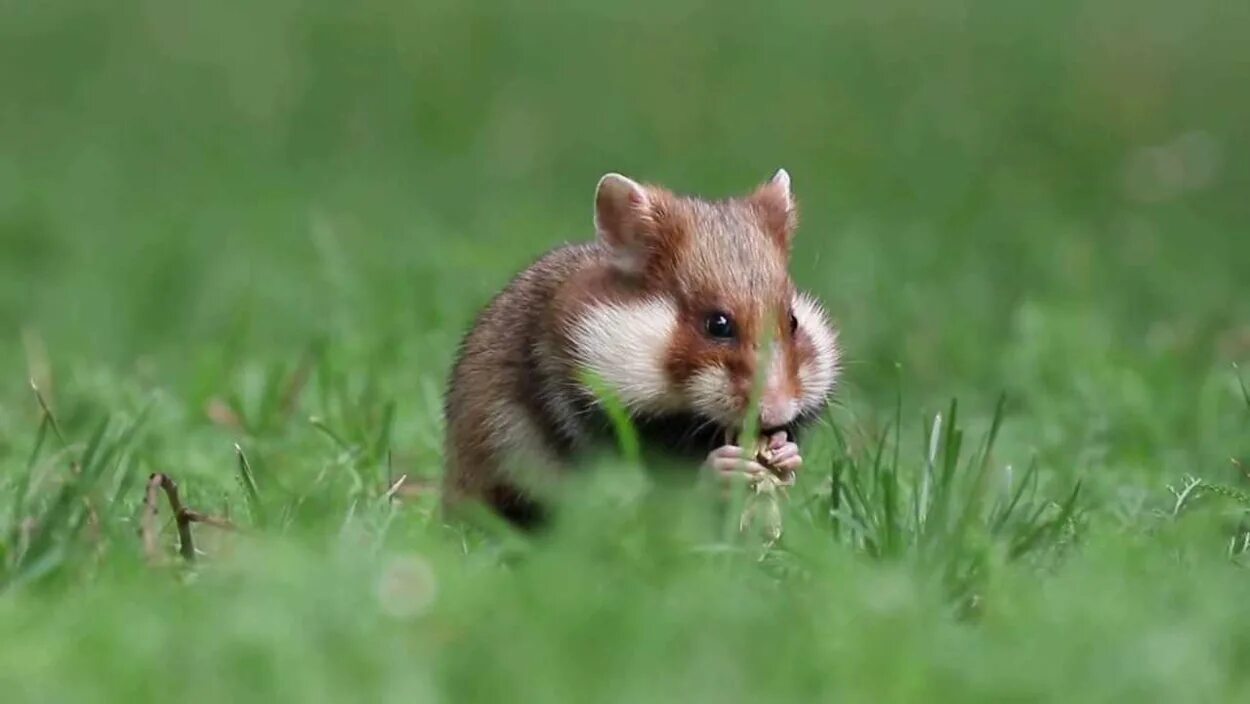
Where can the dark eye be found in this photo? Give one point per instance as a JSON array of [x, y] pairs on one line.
[[794, 324], [720, 326]]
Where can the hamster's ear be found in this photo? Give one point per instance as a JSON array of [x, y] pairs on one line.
[[623, 216], [775, 204]]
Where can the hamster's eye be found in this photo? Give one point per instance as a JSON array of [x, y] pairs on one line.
[[794, 324], [720, 326]]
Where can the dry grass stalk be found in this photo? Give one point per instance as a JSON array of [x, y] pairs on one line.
[[183, 518]]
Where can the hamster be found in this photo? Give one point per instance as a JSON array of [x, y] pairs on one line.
[[668, 308]]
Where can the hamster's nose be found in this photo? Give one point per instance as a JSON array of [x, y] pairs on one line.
[[777, 410]]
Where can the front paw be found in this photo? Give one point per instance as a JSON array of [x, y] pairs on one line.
[[782, 454], [731, 462]]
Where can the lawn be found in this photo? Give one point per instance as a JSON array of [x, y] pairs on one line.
[[240, 241]]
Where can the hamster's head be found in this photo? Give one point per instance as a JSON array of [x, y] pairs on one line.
[[704, 316]]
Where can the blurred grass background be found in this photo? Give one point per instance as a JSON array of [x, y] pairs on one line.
[[1047, 200]]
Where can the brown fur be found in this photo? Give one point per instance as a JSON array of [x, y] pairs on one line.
[[516, 365]]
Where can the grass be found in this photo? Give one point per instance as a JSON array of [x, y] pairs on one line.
[[239, 243]]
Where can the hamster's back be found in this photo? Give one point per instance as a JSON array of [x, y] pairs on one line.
[[499, 419]]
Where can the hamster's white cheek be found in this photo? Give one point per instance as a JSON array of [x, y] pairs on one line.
[[624, 345], [818, 374], [814, 386], [711, 393]]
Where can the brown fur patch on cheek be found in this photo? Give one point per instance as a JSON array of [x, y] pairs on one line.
[[741, 367], [690, 351], [792, 342]]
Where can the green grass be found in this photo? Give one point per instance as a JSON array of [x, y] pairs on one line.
[[240, 241]]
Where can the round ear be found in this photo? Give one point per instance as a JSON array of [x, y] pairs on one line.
[[775, 203], [781, 182], [620, 206], [624, 219]]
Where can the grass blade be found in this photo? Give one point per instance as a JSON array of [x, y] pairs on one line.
[[47, 413], [382, 444], [93, 445], [1002, 516], [1046, 528], [40, 436], [886, 486], [626, 435], [250, 489], [23, 483]]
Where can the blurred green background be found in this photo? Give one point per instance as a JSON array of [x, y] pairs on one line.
[[1042, 199], [990, 191], [167, 165]]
